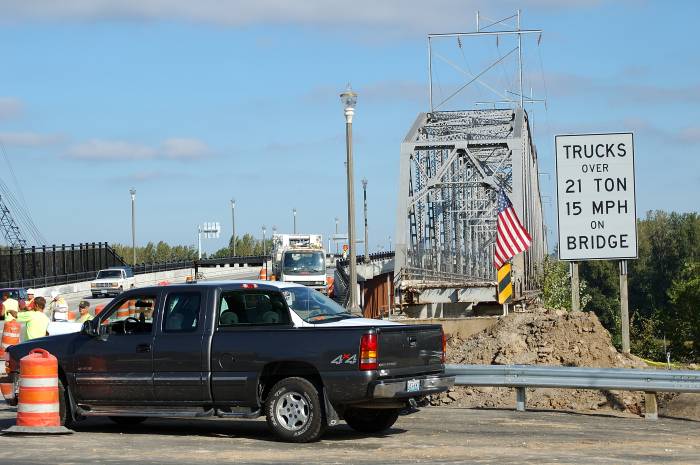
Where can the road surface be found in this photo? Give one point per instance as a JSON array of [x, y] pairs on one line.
[[434, 435]]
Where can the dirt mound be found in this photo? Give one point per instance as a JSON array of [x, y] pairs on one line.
[[542, 337]]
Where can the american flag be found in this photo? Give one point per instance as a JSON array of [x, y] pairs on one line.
[[511, 237]]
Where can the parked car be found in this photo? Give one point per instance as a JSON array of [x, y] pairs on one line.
[[112, 281], [243, 350], [17, 293]]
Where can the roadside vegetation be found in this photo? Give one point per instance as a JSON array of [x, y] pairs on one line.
[[664, 288]]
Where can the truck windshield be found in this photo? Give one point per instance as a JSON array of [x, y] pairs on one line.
[[104, 274], [300, 262], [312, 306]]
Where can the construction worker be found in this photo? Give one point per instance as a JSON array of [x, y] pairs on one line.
[[9, 305], [84, 309], [36, 321], [30, 299], [58, 308]]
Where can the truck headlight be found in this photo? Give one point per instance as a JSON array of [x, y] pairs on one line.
[[115, 284], [93, 284]]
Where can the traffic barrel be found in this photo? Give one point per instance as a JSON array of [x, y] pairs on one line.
[[6, 389], [132, 308], [99, 309], [123, 311], [262, 276], [71, 315], [10, 335], [38, 409]]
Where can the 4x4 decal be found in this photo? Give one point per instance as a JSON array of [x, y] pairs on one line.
[[349, 359]]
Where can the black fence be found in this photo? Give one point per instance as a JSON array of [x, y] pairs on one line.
[[56, 264]]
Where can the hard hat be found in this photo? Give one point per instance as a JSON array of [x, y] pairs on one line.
[[30, 291]]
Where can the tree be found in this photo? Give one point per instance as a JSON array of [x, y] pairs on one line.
[[684, 320], [556, 288]]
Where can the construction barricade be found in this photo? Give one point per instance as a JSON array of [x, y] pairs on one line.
[[38, 409], [10, 335]]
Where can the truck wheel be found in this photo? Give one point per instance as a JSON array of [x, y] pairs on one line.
[[293, 411], [64, 415], [127, 421], [367, 420]]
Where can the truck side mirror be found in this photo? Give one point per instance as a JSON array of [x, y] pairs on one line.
[[88, 330]]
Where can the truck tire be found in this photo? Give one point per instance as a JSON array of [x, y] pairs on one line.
[[128, 421], [366, 420], [293, 411], [63, 414]]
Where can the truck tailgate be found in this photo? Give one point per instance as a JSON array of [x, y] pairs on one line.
[[409, 349]]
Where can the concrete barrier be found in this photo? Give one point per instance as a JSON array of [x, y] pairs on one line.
[[151, 279]]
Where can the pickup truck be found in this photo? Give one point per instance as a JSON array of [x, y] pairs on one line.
[[242, 350], [112, 281]]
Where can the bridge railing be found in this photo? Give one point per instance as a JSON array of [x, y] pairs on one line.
[[622, 379]]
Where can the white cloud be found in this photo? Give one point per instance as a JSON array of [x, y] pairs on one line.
[[392, 14], [111, 150], [30, 139], [10, 107], [181, 148]]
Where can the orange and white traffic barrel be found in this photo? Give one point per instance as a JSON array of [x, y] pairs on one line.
[[262, 276], [123, 311], [6, 389], [38, 409], [10, 335], [132, 308], [72, 315], [99, 309]]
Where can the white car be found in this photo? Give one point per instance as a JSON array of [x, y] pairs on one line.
[[112, 281]]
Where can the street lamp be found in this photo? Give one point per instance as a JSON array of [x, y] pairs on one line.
[[349, 100], [264, 230], [364, 191], [337, 251], [294, 210], [233, 224], [132, 191]]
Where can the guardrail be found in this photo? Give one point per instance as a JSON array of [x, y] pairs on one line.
[[621, 379]]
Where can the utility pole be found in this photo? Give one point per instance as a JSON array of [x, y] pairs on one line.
[[132, 191], [264, 230], [364, 192], [233, 224], [294, 211], [337, 250]]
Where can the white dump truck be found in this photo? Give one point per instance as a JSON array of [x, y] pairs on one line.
[[300, 258]]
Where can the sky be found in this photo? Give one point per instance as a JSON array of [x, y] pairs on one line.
[[196, 103]]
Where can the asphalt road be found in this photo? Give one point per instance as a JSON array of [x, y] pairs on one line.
[[434, 435]]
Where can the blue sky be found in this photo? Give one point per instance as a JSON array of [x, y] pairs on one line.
[[195, 104]]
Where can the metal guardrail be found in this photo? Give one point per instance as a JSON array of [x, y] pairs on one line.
[[622, 379]]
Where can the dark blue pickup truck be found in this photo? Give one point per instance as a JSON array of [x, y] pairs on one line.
[[242, 350]]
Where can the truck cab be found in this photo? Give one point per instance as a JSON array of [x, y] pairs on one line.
[[300, 258]]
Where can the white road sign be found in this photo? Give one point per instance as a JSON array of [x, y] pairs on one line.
[[596, 197]]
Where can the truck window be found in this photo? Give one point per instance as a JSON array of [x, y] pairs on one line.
[[181, 312], [133, 315], [252, 308]]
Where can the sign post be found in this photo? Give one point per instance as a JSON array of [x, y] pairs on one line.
[[596, 205]]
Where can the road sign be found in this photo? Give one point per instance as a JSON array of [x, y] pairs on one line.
[[505, 285], [596, 197]]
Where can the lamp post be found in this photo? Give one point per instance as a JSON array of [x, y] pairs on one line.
[[349, 99], [294, 210], [233, 224], [337, 250], [132, 191], [264, 230], [389, 242], [364, 193]]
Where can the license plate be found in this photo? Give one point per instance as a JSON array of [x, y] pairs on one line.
[[413, 385]]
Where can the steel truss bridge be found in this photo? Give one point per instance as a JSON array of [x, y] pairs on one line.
[[452, 165]]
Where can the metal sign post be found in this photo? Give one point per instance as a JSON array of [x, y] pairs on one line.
[[596, 203], [575, 288]]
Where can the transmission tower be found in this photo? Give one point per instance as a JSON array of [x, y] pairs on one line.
[[9, 227]]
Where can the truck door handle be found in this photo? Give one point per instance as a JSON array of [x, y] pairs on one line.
[[143, 348]]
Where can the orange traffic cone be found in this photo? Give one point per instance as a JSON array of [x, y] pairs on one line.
[[10, 335], [38, 407]]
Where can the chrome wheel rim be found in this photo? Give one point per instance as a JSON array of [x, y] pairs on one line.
[[292, 411]]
